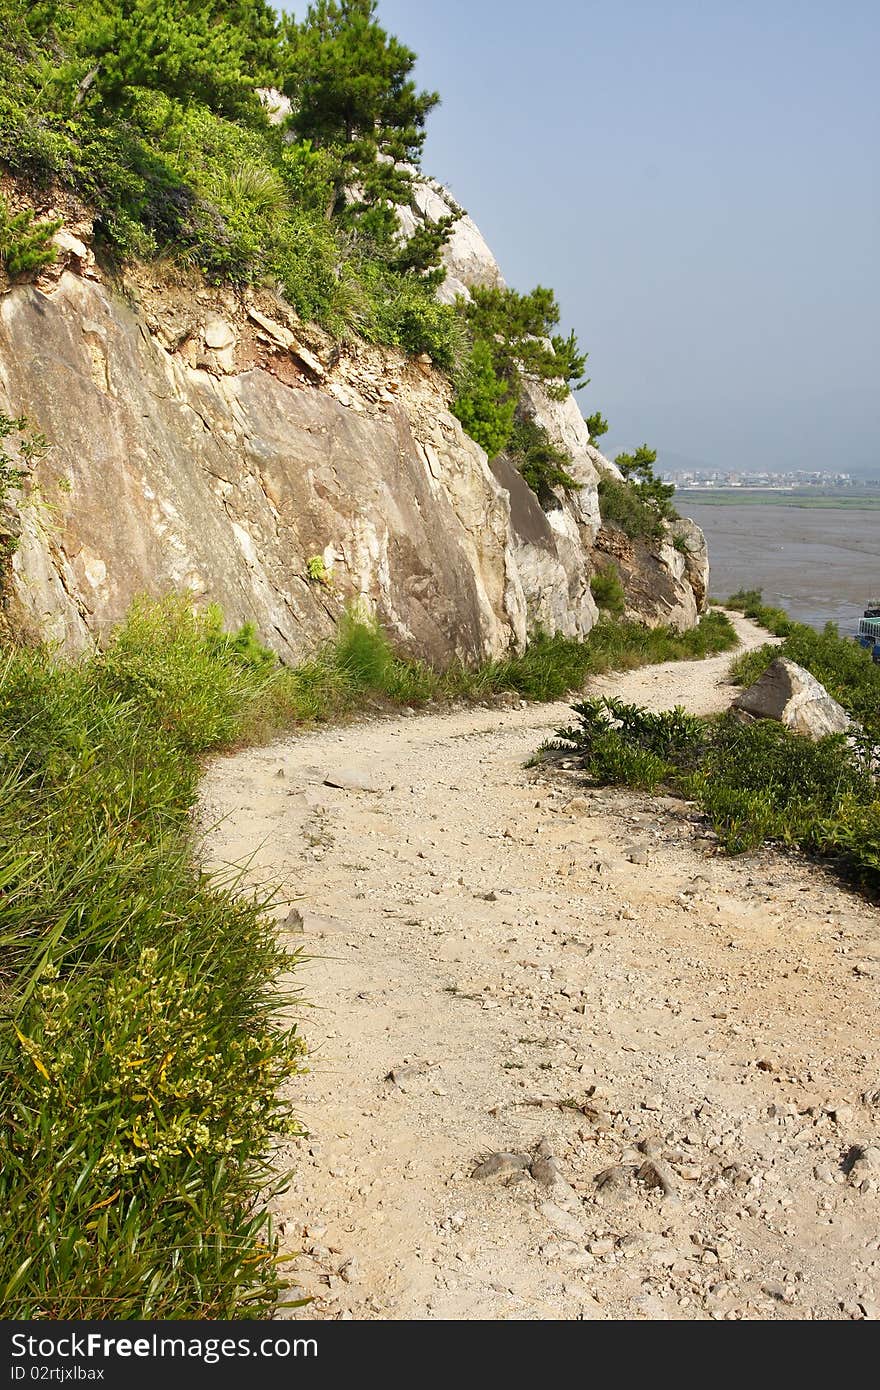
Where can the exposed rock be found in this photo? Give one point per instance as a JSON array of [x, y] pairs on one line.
[[406, 1072], [668, 585], [500, 1165], [613, 1177], [552, 564], [72, 252], [164, 477], [654, 1173], [654, 577], [349, 1270], [789, 694], [293, 922], [690, 540], [563, 1220], [601, 1247], [210, 444], [862, 1166], [219, 334], [568, 430], [277, 106], [282, 337]]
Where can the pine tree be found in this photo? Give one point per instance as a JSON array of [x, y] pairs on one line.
[[484, 405], [597, 425], [25, 245], [638, 471], [207, 50], [519, 331], [352, 91]]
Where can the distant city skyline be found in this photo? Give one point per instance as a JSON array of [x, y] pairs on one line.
[[775, 478], [698, 182]]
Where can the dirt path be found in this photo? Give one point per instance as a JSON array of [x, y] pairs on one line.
[[550, 970]]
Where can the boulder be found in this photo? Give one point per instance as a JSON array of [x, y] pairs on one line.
[[789, 694]]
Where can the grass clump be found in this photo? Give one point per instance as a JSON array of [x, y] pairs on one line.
[[359, 667], [141, 1047], [608, 591], [551, 667]]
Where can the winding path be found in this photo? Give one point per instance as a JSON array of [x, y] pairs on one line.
[[501, 957]]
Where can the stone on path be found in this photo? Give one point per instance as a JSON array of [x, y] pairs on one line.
[[352, 779]]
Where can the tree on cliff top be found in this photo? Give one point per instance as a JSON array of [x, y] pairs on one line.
[[207, 50], [352, 92]]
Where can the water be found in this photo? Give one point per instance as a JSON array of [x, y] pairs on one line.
[[816, 564]]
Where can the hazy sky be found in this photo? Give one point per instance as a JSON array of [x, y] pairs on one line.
[[699, 184]]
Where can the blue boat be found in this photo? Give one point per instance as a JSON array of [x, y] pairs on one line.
[[868, 635]]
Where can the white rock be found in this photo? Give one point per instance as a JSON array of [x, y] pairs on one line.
[[791, 695], [219, 334]]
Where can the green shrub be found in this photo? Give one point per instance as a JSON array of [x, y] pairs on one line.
[[608, 591], [29, 447], [483, 404], [363, 653], [15, 467], [140, 1044], [757, 782], [178, 669], [25, 245], [639, 503], [672, 736], [518, 330]]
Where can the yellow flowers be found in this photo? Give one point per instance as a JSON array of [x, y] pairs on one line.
[[31, 1051]]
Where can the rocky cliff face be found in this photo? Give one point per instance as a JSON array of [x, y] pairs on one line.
[[209, 442]]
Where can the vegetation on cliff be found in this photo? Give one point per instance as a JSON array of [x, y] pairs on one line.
[[512, 337], [640, 502], [843, 667], [150, 113]]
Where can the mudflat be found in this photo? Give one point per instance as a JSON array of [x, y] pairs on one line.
[[819, 565]]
